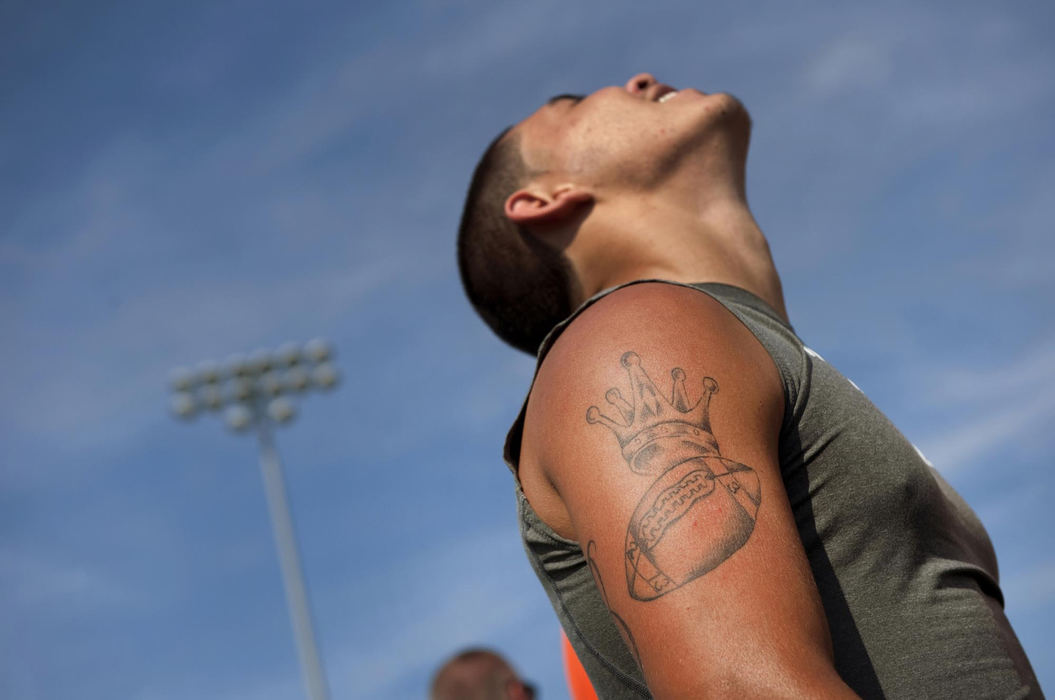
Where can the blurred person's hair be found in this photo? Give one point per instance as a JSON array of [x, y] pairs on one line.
[[518, 285], [478, 674]]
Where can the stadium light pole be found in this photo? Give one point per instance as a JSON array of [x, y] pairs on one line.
[[253, 392]]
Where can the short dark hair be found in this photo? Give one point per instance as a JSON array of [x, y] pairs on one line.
[[477, 673], [520, 286]]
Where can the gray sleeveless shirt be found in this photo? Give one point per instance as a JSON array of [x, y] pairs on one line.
[[905, 570]]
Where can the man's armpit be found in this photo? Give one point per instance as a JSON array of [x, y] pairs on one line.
[[620, 623]]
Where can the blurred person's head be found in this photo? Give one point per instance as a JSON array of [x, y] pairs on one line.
[[557, 200], [478, 674]]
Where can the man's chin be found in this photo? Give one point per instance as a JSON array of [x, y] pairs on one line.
[[732, 104], [735, 114]]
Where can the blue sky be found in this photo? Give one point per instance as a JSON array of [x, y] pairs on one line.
[[180, 181]]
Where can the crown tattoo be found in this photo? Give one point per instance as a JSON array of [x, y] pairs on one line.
[[656, 433]]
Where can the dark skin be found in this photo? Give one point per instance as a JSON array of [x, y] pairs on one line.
[[696, 553], [750, 625]]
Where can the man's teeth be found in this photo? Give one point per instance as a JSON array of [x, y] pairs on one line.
[[668, 96]]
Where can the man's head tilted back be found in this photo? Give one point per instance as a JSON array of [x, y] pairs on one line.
[[559, 204]]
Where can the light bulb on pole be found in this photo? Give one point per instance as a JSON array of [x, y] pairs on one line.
[[254, 391]]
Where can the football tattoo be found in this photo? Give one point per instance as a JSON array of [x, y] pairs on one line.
[[701, 507]]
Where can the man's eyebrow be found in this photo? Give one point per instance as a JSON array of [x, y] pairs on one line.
[[565, 96]]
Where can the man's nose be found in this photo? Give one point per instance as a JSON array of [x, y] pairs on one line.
[[639, 83]]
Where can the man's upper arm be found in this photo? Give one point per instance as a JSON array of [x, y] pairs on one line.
[[662, 414]]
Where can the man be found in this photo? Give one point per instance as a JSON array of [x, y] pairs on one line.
[[713, 510], [478, 674]]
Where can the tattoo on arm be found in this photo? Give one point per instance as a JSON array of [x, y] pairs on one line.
[[700, 508]]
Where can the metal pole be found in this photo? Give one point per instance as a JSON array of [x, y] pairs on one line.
[[289, 559]]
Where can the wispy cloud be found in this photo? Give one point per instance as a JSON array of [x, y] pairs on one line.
[[124, 358], [1028, 374], [861, 63], [968, 444], [1006, 403], [38, 581]]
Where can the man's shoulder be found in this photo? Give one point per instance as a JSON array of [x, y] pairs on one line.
[[667, 331], [652, 437], [650, 318]]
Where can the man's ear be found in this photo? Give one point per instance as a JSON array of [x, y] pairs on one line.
[[539, 208]]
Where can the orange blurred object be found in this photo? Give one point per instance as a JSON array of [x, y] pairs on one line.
[[578, 682]]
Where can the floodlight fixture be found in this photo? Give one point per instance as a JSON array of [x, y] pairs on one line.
[[318, 350], [255, 391], [289, 354], [183, 404]]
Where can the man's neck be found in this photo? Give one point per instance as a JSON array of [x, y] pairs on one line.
[[714, 241]]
